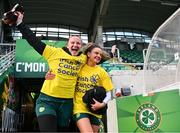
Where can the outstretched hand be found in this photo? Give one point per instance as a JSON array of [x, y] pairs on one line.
[[14, 18]]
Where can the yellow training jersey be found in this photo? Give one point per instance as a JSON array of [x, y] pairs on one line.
[[88, 77], [66, 69]]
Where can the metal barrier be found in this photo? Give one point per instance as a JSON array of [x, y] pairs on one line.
[[6, 48], [6, 61]]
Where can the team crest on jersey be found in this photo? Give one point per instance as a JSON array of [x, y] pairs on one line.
[[79, 62], [94, 78], [41, 109], [148, 117]]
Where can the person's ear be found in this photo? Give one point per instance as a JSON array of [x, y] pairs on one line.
[[88, 54]]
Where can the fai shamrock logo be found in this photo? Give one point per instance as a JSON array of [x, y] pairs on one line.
[[148, 117]]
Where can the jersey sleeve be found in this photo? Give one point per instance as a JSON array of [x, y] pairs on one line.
[[106, 81]]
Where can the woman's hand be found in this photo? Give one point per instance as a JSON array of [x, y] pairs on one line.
[[50, 75], [19, 17], [13, 18], [97, 105]]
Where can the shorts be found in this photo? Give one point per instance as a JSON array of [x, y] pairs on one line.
[[93, 119], [59, 107]]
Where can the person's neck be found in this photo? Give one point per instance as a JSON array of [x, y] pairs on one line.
[[91, 64]]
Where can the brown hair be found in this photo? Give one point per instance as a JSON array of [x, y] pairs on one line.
[[89, 49]]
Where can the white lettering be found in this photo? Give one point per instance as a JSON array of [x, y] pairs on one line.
[[30, 67], [35, 67], [18, 67]]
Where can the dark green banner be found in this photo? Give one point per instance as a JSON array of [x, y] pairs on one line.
[[30, 64], [157, 113]]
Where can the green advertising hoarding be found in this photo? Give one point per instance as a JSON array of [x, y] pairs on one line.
[[30, 64], [157, 113]]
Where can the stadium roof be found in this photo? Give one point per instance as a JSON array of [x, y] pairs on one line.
[[144, 15]]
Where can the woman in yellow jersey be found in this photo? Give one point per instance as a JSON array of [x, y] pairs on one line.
[[90, 75], [55, 103]]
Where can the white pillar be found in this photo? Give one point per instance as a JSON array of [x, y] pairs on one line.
[[112, 122]]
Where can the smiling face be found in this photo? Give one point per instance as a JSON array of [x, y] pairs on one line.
[[74, 44], [94, 56]]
